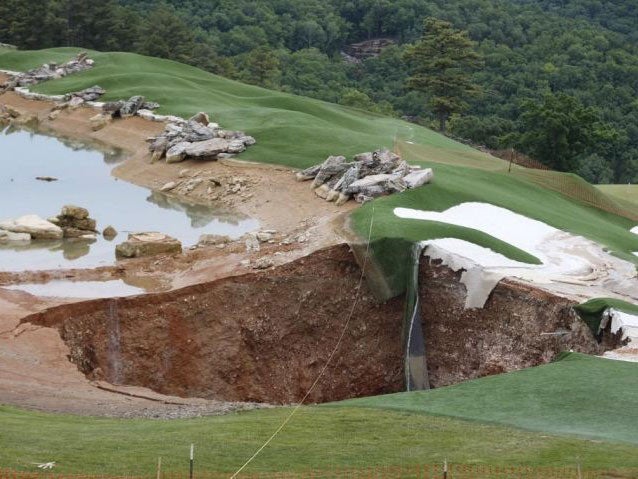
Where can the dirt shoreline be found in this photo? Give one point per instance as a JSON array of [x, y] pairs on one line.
[[34, 368]]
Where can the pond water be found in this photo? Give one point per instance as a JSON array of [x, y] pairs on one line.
[[79, 289], [84, 179]]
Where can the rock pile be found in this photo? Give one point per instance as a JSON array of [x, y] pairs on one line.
[[75, 222], [198, 138], [147, 244], [72, 222], [368, 176], [127, 108], [48, 71]]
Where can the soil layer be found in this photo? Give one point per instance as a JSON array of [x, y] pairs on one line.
[[265, 336]]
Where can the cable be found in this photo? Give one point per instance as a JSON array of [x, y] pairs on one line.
[[323, 370]]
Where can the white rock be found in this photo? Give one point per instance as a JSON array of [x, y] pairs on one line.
[[418, 178], [35, 226], [10, 237]]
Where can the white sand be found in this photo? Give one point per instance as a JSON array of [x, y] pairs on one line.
[[634, 230], [570, 263]]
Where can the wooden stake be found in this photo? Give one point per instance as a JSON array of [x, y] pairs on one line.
[[159, 467], [190, 475]]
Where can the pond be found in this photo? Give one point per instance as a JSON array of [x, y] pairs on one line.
[[79, 289], [84, 179]]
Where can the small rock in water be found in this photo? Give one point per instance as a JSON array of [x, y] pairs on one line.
[[46, 178], [10, 237], [147, 244], [109, 233]]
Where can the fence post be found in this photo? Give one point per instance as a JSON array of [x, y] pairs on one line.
[[580, 475], [190, 474], [445, 469], [159, 467]]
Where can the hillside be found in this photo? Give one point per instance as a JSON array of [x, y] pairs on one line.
[[577, 410], [299, 132], [586, 51]]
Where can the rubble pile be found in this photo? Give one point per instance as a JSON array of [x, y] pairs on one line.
[[48, 71], [197, 138], [367, 176]]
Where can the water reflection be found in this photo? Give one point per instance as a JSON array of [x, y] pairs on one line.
[[200, 215], [83, 178]]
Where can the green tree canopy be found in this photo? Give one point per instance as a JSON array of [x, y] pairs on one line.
[[559, 129], [441, 62]]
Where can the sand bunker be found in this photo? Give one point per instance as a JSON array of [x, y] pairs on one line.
[[568, 261]]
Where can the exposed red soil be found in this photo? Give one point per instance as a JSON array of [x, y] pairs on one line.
[[265, 336], [520, 326]]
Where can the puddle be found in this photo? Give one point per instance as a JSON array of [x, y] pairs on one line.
[[78, 289], [84, 179]]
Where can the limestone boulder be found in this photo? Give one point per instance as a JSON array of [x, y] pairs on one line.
[[130, 106], [418, 178], [75, 212], [147, 244], [99, 121], [10, 237], [177, 153], [36, 227], [200, 117], [208, 148]]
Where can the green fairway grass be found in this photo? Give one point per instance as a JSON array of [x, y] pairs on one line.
[[453, 185], [578, 395], [623, 193], [317, 438], [298, 132]]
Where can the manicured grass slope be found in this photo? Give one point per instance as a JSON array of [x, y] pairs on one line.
[[581, 395], [290, 130], [317, 438], [299, 132], [625, 193]]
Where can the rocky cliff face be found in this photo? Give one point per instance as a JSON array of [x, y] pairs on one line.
[[266, 336]]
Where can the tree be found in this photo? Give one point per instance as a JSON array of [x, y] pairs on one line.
[[440, 67], [559, 129], [260, 67]]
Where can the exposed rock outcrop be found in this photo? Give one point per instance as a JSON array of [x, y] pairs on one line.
[[369, 175]]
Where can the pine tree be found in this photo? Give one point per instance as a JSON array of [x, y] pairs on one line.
[[441, 62]]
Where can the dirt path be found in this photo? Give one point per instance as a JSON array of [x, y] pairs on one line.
[[34, 369]]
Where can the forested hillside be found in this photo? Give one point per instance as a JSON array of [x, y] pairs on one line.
[[545, 61]]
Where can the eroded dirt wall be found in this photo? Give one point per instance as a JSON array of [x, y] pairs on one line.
[[265, 336], [257, 337], [519, 327]]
